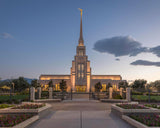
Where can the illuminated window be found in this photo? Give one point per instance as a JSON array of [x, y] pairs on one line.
[[57, 88], [103, 87], [82, 75], [78, 75], [82, 67], [79, 66]]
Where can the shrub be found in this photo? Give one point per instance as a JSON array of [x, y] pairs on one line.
[[116, 95]]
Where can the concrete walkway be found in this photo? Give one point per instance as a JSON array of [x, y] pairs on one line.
[[80, 119], [80, 114]]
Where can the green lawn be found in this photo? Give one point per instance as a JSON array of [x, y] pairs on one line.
[[145, 97], [16, 97]]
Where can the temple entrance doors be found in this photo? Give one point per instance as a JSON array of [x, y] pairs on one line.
[[80, 88]]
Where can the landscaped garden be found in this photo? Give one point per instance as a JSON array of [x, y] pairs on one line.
[[147, 119], [13, 99], [153, 98], [152, 106], [29, 106], [2, 106], [131, 106], [11, 120]]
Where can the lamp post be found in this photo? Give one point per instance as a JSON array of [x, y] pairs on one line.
[[13, 86]]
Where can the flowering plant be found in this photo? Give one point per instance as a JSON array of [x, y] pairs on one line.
[[131, 106], [11, 120], [147, 119], [29, 106]]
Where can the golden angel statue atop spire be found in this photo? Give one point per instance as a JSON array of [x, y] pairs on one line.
[[80, 10]]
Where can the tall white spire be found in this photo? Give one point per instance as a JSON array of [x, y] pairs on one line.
[[81, 32]]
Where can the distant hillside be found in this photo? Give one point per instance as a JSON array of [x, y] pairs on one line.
[[27, 79]]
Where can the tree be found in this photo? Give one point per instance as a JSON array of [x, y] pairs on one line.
[[63, 85], [34, 83], [20, 84], [98, 86], [139, 84], [50, 83], [123, 84], [108, 86], [156, 84]]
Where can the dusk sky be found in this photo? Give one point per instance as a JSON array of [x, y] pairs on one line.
[[122, 37]]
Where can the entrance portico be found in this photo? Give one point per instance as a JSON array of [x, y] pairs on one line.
[[81, 88]]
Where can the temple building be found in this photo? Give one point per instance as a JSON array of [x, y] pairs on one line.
[[80, 78]]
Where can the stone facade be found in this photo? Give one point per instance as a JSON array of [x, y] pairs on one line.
[[80, 79]]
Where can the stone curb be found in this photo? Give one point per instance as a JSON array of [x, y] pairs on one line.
[[121, 110], [48, 100], [114, 100], [36, 111], [25, 123], [135, 123]]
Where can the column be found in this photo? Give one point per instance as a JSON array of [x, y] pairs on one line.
[[50, 92], [110, 92], [32, 93], [121, 92], [39, 92], [128, 94]]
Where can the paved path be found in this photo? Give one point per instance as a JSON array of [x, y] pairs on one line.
[[80, 115]]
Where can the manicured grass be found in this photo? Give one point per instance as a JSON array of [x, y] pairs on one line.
[[145, 97], [130, 106], [16, 97], [147, 119], [5, 106]]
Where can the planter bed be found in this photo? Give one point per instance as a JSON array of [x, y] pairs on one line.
[[18, 109], [152, 106], [3, 106], [134, 108], [143, 120], [114, 100], [17, 120]]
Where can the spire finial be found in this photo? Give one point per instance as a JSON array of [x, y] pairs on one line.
[[81, 34]]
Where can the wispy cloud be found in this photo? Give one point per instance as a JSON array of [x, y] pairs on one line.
[[5, 35], [145, 63], [120, 46]]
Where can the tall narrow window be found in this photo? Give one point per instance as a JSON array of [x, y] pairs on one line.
[[82, 67], [82, 75], [79, 66]]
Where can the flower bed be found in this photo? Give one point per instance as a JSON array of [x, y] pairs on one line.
[[2, 106], [147, 119], [126, 109], [12, 120], [131, 106], [29, 106], [152, 106]]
